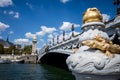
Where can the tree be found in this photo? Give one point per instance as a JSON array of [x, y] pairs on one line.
[[10, 50], [1, 49], [27, 49]]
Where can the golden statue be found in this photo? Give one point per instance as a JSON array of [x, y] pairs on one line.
[[92, 15], [34, 37], [100, 43]]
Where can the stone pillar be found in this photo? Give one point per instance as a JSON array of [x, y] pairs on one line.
[[94, 60], [34, 45]]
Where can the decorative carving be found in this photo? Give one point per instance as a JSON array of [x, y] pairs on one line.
[[91, 57], [92, 15], [100, 43], [94, 62]]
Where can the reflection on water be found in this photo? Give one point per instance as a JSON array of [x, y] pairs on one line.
[[33, 72]]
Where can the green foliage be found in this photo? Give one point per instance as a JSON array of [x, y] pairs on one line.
[[10, 50], [1, 49], [27, 49]]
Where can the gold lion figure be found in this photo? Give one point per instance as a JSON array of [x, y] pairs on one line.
[[100, 43]]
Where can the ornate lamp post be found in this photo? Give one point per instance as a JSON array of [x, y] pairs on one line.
[[72, 28], [53, 41], [63, 35], [57, 39], [50, 43]]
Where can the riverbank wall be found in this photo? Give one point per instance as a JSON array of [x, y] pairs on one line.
[[24, 58]]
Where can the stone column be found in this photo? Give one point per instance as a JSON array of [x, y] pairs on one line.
[[34, 45]]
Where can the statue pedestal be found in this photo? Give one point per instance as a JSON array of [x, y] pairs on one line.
[[94, 77], [92, 61], [91, 64]]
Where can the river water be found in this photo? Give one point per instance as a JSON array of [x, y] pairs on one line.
[[33, 72]]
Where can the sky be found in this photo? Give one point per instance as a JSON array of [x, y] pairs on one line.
[[20, 20]]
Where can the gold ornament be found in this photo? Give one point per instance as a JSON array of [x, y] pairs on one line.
[[92, 15], [101, 44], [34, 37]]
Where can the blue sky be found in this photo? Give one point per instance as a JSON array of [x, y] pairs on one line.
[[21, 19]]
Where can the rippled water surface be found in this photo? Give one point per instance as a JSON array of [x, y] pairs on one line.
[[33, 72]]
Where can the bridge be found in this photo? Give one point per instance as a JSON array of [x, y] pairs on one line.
[[56, 54], [94, 53]]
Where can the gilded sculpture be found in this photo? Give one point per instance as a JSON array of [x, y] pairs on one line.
[[34, 37], [92, 15], [100, 43]]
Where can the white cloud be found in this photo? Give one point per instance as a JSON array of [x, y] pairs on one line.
[[22, 41], [11, 32], [12, 13], [106, 17], [40, 33], [76, 25], [64, 1], [67, 26], [50, 36], [45, 30], [3, 26], [29, 35], [4, 3], [16, 15]]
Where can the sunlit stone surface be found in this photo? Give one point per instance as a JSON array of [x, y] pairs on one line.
[[90, 63], [93, 62]]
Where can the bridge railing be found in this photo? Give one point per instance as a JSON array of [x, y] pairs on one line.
[[43, 50], [66, 44]]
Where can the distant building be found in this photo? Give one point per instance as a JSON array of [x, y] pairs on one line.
[[6, 43], [18, 46]]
